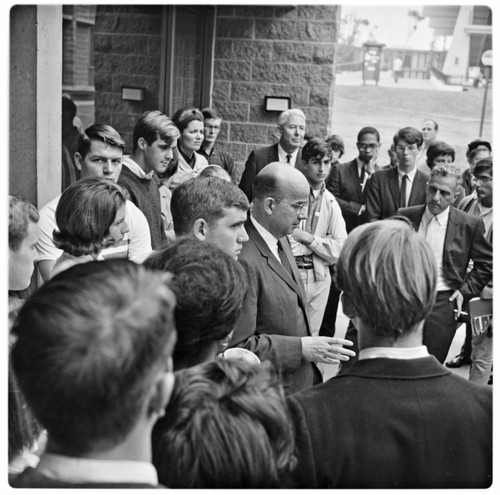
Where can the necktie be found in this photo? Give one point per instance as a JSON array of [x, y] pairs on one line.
[[288, 158], [362, 177], [402, 194], [283, 258]]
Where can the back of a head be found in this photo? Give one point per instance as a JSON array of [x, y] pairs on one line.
[[209, 286], [89, 343], [204, 197], [153, 125], [84, 215], [215, 171], [389, 274], [99, 132], [21, 213], [226, 427], [409, 135]]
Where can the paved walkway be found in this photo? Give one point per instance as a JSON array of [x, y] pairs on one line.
[[386, 80], [456, 345]]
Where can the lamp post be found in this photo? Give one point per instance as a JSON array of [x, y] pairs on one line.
[[487, 61]]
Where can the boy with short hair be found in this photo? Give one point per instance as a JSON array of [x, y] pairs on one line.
[[320, 237]]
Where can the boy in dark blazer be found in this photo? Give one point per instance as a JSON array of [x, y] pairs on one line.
[[396, 418]]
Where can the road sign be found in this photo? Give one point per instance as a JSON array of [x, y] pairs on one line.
[[487, 57]]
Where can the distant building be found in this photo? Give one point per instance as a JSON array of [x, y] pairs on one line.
[[471, 28]]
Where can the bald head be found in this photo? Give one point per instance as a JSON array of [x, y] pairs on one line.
[[280, 198]]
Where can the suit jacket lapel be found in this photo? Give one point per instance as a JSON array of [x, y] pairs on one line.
[[273, 156], [353, 170], [451, 229], [273, 263], [419, 184], [394, 186]]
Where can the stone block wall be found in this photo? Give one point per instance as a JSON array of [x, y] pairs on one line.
[[259, 51], [271, 51], [127, 42]]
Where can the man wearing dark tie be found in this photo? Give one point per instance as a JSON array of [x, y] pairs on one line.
[[457, 239], [275, 322], [292, 128], [401, 186], [347, 181]]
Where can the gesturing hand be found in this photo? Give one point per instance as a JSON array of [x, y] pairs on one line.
[[326, 350]]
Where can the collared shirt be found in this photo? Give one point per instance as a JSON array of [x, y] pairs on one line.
[[282, 156], [269, 239], [433, 228], [135, 168], [79, 470], [409, 185], [394, 352]]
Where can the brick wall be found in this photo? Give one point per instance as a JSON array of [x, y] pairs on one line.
[[127, 42], [271, 51]]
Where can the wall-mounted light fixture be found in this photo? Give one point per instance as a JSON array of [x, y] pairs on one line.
[[277, 103], [133, 94]]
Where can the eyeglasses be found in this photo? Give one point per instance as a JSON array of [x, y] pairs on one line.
[[296, 206], [212, 127], [364, 147], [409, 147], [482, 180]]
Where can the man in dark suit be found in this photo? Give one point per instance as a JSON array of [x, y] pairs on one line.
[[397, 418], [457, 238], [347, 181], [274, 323], [401, 186], [292, 128]]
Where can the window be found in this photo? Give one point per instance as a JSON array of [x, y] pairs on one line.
[[188, 40]]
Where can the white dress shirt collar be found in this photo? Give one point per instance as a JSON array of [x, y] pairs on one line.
[[282, 156], [79, 470], [269, 239], [394, 352], [135, 168]]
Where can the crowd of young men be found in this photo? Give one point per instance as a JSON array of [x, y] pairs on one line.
[[252, 267]]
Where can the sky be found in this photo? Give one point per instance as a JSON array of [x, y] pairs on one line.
[[391, 25]]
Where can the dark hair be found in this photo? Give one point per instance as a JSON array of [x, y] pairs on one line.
[[99, 132], [21, 213], [204, 197], [153, 125], [68, 105], [209, 286], [226, 426], [84, 214], [483, 165], [183, 117], [89, 343], [316, 148], [368, 130], [336, 143], [409, 135], [436, 149], [210, 113]]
